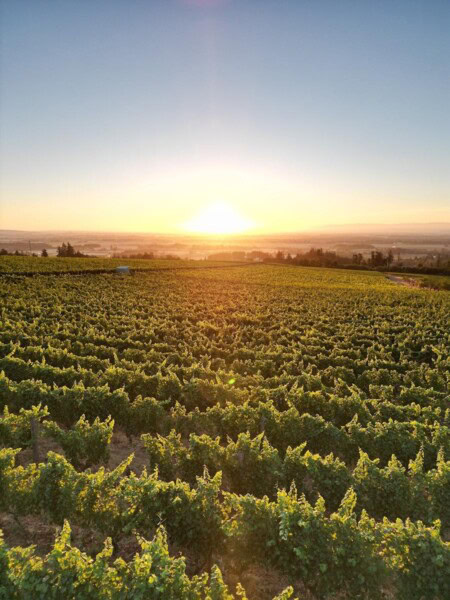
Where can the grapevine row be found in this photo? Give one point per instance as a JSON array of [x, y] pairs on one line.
[[337, 552]]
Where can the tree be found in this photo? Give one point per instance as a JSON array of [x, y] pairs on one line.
[[377, 258], [67, 250], [390, 258], [44, 253]]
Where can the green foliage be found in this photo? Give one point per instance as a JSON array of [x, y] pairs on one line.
[[244, 383], [66, 572], [85, 444], [330, 554], [144, 415], [15, 429], [419, 559]]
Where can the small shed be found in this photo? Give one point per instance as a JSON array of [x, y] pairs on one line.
[[123, 270]]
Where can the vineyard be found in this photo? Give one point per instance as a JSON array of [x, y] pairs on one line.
[[35, 265], [251, 432]]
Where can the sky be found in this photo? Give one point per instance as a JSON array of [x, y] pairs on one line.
[[153, 115]]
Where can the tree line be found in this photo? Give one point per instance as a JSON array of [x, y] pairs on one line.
[[328, 258], [318, 257], [65, 251], [68, 251]]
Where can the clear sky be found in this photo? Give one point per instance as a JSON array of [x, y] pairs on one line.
[[144, 115]]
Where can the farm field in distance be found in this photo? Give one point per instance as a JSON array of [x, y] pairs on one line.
[[26, 264], [273, 427]]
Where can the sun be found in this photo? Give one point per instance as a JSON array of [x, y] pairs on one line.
[[218, 219]]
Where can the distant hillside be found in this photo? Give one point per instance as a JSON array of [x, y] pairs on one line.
[[392, 228]]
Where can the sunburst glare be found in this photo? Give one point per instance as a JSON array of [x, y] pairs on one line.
[[218, 219]]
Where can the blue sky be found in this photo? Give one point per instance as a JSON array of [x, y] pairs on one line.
[[138, 115]]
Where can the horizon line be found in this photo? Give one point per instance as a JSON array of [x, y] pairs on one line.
[[316, 229]]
